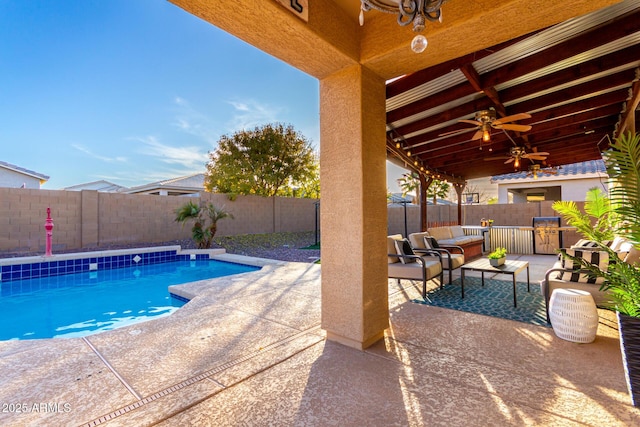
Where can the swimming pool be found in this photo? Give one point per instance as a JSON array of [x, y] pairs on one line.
[[87, 302]]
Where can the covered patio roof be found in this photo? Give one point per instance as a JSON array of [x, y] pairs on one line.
[[362, 118], [577, 79]]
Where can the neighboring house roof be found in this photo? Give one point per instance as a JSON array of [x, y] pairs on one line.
[[182, 185], [399, 198], [24, 171], [573, 170], [101, 186]]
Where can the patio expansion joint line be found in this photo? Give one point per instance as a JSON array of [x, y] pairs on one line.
[[227, 305], [203, 376], [112, 369]]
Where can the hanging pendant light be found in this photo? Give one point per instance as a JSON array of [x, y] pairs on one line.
[[415, 12]]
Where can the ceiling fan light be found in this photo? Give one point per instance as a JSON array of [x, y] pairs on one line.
[[516, 163], [486, 135]]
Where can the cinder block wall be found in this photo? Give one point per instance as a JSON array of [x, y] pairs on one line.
[[89, 219], [517, 214], [23, 213]]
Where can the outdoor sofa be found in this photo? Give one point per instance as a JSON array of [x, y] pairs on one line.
[[454, 235], [568, 275]]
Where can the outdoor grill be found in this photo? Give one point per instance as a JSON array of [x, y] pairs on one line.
[[546, 234]]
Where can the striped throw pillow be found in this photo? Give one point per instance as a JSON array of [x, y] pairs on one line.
[[596, 258], [583, 243]]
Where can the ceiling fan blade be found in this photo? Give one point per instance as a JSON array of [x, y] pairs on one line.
[[454, 132], [535, 157], [511, 126], [497, 158], [509, 161], [472, 122], [540, 153], [477, 135], [512, 118]]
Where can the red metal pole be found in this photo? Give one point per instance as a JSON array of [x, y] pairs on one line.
[[48, 225]]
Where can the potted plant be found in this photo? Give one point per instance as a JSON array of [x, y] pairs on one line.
[[498, 257], [621, 280]]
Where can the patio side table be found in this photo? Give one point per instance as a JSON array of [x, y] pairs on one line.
[[573, 315]]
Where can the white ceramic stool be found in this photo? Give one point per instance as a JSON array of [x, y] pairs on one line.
[[573, 315]]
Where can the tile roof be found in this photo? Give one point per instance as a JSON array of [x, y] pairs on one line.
[[573, 169]]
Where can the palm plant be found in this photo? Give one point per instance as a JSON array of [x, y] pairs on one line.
[[409, 183], [623, 167], [622, 280], [597, 221], [201, 233]]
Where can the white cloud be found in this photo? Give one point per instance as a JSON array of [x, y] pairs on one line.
[[191, 158], [250, 113], [88, 152], [193, 122]]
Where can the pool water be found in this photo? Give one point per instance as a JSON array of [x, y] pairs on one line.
[[81, 304]]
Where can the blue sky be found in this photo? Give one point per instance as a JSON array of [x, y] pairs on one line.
[[132, 91]]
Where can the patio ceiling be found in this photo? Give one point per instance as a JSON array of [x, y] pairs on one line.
[[577, 79]]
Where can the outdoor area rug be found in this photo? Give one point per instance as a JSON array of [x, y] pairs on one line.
[[494, 299]]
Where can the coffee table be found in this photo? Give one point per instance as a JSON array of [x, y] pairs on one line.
[[509, 267]]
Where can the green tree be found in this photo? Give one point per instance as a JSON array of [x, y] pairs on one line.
[[262, 161], [308, 187], [201, 233], [409, 183], [438, 189]]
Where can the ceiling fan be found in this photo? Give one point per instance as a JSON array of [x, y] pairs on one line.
[[535, 169], [485, 120], [518, 153]]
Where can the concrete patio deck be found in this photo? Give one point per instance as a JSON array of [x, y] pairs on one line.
[[248, 350]]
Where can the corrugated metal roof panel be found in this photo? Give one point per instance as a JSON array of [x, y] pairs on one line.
[[552, 36], [427, 89]]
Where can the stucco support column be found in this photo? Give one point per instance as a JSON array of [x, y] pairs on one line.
[[355, 302]]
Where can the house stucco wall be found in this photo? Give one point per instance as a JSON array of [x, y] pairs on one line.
[[13, 179], [570, 189]]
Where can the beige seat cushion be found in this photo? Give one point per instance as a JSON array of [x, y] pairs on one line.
[[391, 247], [440, 233], [602, 299], [457, 231], [456, 261], [474, 238], [414, 270], [633, 256], [417, 240]]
